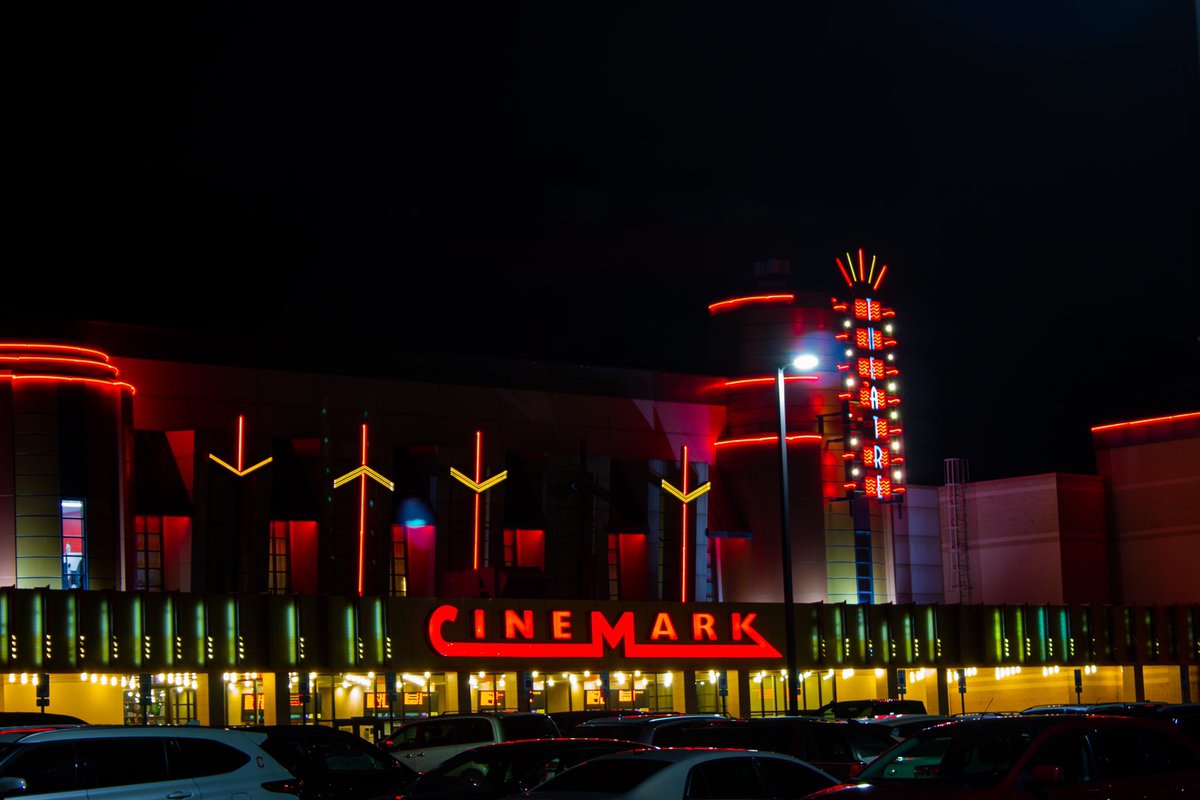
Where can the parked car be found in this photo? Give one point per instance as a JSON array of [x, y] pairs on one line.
[[834, 746], [424, 743], [1059, 756], [334, 764], [661, 731], [857, 709], [1123, 709], [506, 769], [901, 726], [678, 773], [568, 720], [140, 763], [1185, 716]]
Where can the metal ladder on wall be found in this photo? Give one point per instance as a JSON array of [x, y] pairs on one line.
[[956, 477]]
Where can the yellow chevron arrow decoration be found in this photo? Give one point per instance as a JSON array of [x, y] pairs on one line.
[[370, 473], [240, 472], [690, 496], [240, 444], [478, 487]]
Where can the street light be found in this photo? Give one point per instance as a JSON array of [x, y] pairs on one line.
[[805, 363]]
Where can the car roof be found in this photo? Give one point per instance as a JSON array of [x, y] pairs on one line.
[[901, 719], [676, 754], [70, 732], [643, 720], [1034, 722]]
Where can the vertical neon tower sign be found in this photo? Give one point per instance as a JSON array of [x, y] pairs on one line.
[[362, 473], [874, 460], [684, 497], [479, 486]]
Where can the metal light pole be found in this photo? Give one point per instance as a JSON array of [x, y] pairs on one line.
[[785, 538]]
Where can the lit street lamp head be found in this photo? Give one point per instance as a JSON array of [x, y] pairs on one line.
[[805, 362]]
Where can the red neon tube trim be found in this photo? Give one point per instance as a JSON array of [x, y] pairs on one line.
[[72, 379], [879, 280], [849, 282], [1150, 421], [87, 362], [862, 270], [478, 479], [755, 381], [362, 507], [734, 302], [66, 348], [603, 633], [772, 438], [684, 515], [241, 434]]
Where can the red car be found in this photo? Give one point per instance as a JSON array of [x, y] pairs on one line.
[[1050, 757]]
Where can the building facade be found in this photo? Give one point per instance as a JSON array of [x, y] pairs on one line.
[[182, 539]]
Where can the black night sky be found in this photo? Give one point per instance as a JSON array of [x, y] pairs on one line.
[[576, 181]]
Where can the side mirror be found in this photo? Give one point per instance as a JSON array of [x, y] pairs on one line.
[[1045, 773], [856, 769], [12, 787]]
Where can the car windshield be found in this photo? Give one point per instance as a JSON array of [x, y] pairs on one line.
[[483, 771], [604, 775], [533, 726], [977, 756]]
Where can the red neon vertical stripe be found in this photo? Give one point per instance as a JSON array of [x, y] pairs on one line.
[[862, 270], [849, 282], [241, 434], [478, 479], [362, 511], [879, 280], [684, 582]]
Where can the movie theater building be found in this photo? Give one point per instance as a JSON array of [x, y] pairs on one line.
[[348, 544]]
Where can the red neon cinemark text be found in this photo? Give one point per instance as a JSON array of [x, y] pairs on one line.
[[703, 624], [605, 634], [663, 627], [560, 624], [514, 624]]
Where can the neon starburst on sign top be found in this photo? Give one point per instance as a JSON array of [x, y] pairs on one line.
[[862, 274]]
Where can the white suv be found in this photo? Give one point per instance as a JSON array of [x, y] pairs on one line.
[[129, 762]]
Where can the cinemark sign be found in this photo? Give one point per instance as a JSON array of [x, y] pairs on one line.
[[693, 635]]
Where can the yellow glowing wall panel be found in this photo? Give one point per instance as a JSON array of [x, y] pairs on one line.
[[37, 474], [49, 526]]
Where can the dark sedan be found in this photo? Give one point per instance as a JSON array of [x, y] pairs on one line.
[[1060, 756], [506, 769]]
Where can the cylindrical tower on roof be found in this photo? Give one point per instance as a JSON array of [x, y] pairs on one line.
[[66, 427], [837, 548]]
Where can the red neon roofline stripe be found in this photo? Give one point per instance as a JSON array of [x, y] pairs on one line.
[[67, 348], [72, 379], [1150, 421], [768, 379], [64, 360], [725, 305], [772, 437]]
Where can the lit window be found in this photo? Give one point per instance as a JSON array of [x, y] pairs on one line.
[[74, 546]]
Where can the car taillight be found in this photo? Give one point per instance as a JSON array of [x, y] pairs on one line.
[[292, 786]]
